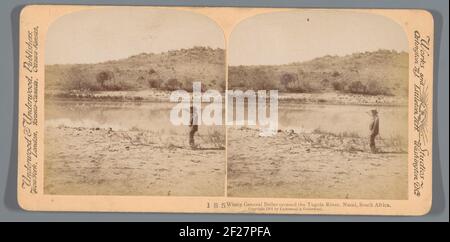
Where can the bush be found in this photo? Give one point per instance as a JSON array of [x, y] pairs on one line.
[[76, 77], [375, 88], [154, 83], [222, 86], [104, 76], [372, 87], [262, 80], [301, 87], [357, 87], [338, 86], [187, 84], [325, 83], [287, 80], [172, 84]]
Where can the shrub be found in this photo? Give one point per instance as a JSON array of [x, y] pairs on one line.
[[172, 84], [187, 84], [154, 83], [76, 76], [325, 82], [338, 86], [262, 80], [375, 88], [222, 86], [301, 86], [357, 87], [287, 80], [103, 77]]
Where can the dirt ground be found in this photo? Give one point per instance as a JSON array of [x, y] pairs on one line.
[[313, 165], [94, 161]]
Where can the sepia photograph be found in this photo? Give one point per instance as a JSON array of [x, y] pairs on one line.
[[225, 110], [268, 111], [342, 114], [109, 74]]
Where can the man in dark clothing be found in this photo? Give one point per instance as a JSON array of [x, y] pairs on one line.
[[374, 130], [193, 124]]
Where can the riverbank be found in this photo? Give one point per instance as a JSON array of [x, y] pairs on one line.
[[314, 165], [96, 161], [154, 95]]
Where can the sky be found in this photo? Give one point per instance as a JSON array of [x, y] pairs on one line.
[[92, 36], [286, 37]]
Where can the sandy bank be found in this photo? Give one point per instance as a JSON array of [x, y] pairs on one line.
[[107, 162], [314, 166]]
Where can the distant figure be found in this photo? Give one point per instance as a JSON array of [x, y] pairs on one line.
[[374, 130], [193, 124]]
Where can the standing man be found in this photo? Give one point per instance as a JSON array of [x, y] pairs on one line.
[[193, 124], [374, 130]]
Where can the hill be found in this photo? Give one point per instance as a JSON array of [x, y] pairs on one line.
[[166, 71], [381, 72]]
